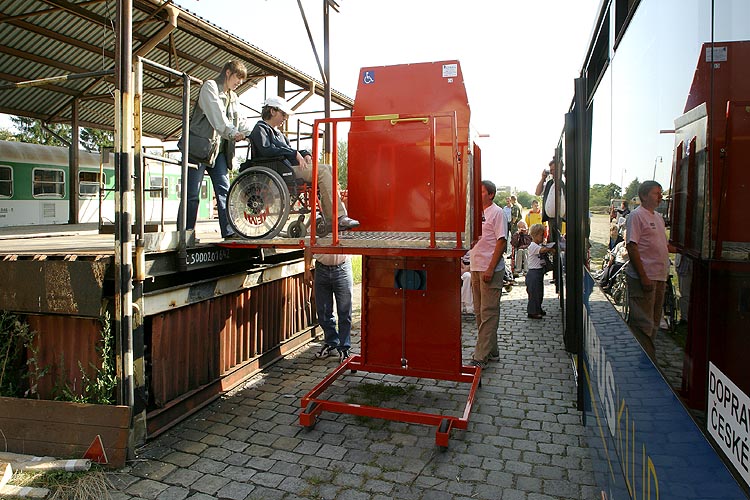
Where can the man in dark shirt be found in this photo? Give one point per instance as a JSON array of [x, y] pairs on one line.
[[266, 140]]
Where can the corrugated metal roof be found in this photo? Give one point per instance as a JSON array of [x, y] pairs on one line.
[[48, 38]]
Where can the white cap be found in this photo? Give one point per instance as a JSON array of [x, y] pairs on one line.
[[280, 103]]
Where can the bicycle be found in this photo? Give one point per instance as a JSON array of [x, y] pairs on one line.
[[670, 306], [619, 294]]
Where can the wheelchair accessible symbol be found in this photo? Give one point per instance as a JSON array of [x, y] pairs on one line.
[[368, 78]]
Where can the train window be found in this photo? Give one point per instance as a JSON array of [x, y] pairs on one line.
[[88, 184], [155, 183], [6, 182], [48, 183], [204, 189]]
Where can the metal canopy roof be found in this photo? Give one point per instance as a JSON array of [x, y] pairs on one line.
[[51, 38]]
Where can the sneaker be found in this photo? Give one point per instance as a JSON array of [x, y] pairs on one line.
[[325, 351], [494, 356], [480, 364], [343, 355], [347, 223]]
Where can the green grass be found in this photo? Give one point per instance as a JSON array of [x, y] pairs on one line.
[[376, 394], [357, 268]]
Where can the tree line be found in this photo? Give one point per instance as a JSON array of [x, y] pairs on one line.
[[56, 134]]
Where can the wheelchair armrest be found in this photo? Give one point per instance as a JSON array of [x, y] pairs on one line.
[[278, 164], [272, 162]]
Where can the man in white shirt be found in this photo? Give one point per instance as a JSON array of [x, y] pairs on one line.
[[333, 279], [487, 271]]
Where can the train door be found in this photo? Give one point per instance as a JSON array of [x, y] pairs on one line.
[[207, 205], [6, 194], [91, 185], [49, 191]]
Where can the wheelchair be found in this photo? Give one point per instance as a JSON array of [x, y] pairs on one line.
[[264, 195]]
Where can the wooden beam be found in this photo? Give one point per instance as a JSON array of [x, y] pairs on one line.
[[76, 9]]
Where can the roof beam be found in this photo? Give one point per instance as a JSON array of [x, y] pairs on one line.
[[56, 88], [76, 9], [27, 15], [42, 60]]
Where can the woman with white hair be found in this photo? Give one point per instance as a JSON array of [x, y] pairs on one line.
[[266, 140]]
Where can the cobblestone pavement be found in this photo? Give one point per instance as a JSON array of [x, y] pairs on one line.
[[524, 439]]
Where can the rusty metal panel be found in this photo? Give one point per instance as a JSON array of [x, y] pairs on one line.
[[195, 345], [53, 286], [61, 343]]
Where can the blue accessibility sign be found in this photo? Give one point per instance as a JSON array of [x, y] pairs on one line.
[[368, 77]]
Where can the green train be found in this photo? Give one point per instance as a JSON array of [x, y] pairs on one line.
[[35, 187]]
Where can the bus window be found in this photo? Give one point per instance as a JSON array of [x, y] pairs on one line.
[[88, 184], [156, 183], [48, 183], [6, 182]]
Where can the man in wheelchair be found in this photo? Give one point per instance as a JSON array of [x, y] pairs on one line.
[[267, 141]]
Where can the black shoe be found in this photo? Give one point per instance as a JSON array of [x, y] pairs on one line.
[[493, 356], [480, 364], [535, 316], [544, 313], [343, 355], [325, 351], [347, 223]]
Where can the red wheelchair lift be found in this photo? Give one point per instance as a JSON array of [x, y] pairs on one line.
[[412, 171]]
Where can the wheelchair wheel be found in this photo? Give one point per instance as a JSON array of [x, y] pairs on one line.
[[258, 203], [321, 226], [670, 307], [296, 229]]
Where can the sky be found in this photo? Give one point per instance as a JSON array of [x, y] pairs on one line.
[[518, 58]]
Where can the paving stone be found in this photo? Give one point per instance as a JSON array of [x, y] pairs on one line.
[[261, 463], [377, 486], [146, 488], [191, 447], [121, 480], [287, 469], [200, 496], [210, 484], [529, 484], [267, 479], [214, 453], [239, 474], [213, 440], [174, 493], [509, 494], [180, 459], [237, 459], [348, 480], [235, 491], [208, 466], [183, 477]]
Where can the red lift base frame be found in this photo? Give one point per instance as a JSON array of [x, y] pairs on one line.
[[312, 406]]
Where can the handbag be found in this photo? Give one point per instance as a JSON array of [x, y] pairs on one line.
[[204, 141], [201, 149], [547, 261]]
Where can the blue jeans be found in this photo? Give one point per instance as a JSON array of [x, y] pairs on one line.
[[330, 282], [535, 290], [220, 179]]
